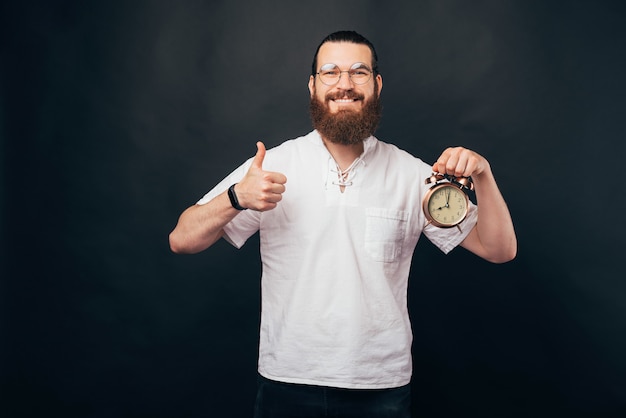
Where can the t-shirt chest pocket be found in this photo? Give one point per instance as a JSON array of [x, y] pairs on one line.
[[384, 233]]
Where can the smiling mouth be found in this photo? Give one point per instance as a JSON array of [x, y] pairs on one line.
[[345, 97]]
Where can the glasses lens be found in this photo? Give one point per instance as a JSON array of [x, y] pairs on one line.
[[359, 73], [329, 74]]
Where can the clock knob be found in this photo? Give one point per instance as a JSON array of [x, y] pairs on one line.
[[434, 178], [464, 182]]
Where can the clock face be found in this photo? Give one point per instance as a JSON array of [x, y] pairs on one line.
[[445, 205]]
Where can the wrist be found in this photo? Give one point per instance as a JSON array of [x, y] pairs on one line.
[[234, 201]]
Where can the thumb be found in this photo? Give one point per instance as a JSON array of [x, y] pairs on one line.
[[260, 155]]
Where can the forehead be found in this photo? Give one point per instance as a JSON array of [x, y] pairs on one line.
[[344, 54]]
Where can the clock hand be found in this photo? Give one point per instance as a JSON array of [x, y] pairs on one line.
[[448, 199]]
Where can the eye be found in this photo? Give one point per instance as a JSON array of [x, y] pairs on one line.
[[360, 72], [330, 70], [330, 73]]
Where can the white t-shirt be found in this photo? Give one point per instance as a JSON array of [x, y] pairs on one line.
[[336, 265]]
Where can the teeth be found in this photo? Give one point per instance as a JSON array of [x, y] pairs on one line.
[[344, 100]]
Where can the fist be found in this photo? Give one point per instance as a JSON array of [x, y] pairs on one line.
[[259, 189], [460, 162]]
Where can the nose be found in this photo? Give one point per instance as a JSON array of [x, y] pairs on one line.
[[345, 82]]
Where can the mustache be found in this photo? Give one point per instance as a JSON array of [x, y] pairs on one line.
[[344, 94]]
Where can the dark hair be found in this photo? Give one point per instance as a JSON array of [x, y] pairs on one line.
[[346, 36]]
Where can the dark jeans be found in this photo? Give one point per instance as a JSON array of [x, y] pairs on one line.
[[287, 400]]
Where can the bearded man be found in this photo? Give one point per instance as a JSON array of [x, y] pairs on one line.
[[339, 214]]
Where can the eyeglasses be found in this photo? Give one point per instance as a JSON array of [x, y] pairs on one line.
[[359, 73]]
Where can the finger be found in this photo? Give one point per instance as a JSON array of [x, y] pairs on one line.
[[260, 155], [451, 163], [276, 188], [440, 165], [458, 168], [470, 167], [275, 177], [273, 197], [467, 164]]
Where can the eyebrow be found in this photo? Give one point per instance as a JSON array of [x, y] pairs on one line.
[[354, 66]]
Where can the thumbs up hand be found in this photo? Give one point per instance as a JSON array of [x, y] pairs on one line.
[[259, 189]]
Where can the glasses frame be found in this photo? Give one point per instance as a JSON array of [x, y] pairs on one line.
[[353, 67]]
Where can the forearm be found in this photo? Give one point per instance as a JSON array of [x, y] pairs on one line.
[[200, 226], [493, 238]]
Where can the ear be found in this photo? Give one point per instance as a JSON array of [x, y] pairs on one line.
[[311, 85], [379, 79]]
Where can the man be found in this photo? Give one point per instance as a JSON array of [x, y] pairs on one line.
[[339, 215]]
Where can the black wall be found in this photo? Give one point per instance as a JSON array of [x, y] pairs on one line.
[[118, 115]]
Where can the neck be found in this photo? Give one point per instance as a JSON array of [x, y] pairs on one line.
[[344, 155]]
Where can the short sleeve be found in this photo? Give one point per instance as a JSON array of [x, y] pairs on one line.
[[246, 223]]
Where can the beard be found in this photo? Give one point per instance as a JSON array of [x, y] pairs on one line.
[[346, 127]]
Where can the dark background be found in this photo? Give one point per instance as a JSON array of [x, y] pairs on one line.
[[117, 115]]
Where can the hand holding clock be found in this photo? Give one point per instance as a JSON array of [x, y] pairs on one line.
[[451, 176], [494, 240], [460, 162]]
